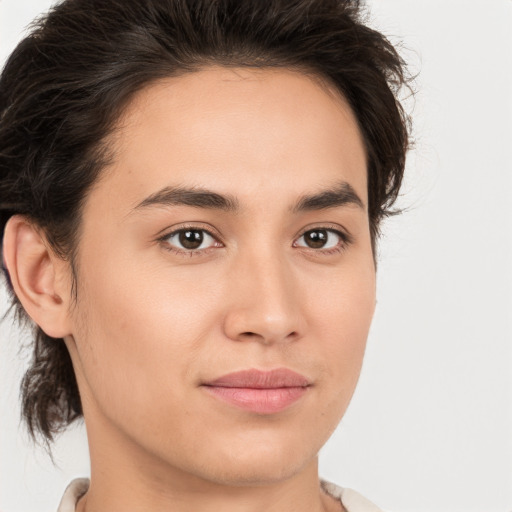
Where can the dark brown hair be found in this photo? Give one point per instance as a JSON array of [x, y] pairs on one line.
[[67, 82]]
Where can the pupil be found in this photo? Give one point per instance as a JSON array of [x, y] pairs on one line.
[[316, 239], [191, 239]]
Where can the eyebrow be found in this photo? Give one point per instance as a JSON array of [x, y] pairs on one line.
[[341, 194], [196, 197]]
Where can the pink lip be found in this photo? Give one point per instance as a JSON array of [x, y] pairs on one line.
[[264, 392]]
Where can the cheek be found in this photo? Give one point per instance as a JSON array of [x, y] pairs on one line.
[[340, 313], [342, 303], [138, 334]]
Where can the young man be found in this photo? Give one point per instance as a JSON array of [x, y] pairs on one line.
[[190, 197]]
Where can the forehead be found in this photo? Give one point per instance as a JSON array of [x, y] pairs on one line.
[[240, 131]]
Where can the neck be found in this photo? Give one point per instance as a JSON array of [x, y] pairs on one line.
[[125, 477]]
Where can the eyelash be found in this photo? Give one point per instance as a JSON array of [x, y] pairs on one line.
[[187, 252], [345, 241]]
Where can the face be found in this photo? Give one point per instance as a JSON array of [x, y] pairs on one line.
[[229, 234]]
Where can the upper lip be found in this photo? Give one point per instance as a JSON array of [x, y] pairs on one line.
[[258, 379]]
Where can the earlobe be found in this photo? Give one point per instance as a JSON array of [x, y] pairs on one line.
[[35, 272]]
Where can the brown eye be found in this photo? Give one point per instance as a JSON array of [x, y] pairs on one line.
[[190, 239], [320, 239], [316, 239]]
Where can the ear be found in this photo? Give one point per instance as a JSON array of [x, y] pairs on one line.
[[41, 280]]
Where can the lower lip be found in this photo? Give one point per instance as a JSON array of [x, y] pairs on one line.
[[262, 401]]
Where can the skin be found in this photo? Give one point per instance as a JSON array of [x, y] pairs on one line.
[[151, 325]]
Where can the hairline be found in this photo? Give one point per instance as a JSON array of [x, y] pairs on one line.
[[107, 145]]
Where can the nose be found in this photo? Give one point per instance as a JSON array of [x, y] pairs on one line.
[[264, 303]]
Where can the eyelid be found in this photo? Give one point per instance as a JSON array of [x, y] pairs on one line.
[[346, 238], [166, 233], [340, 230]]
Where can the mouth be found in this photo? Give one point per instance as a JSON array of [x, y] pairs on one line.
[[262, 392]]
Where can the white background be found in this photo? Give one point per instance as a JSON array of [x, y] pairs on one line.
[[430, 426]]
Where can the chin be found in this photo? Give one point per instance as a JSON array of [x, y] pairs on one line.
[[256, 473], [255, 464]]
